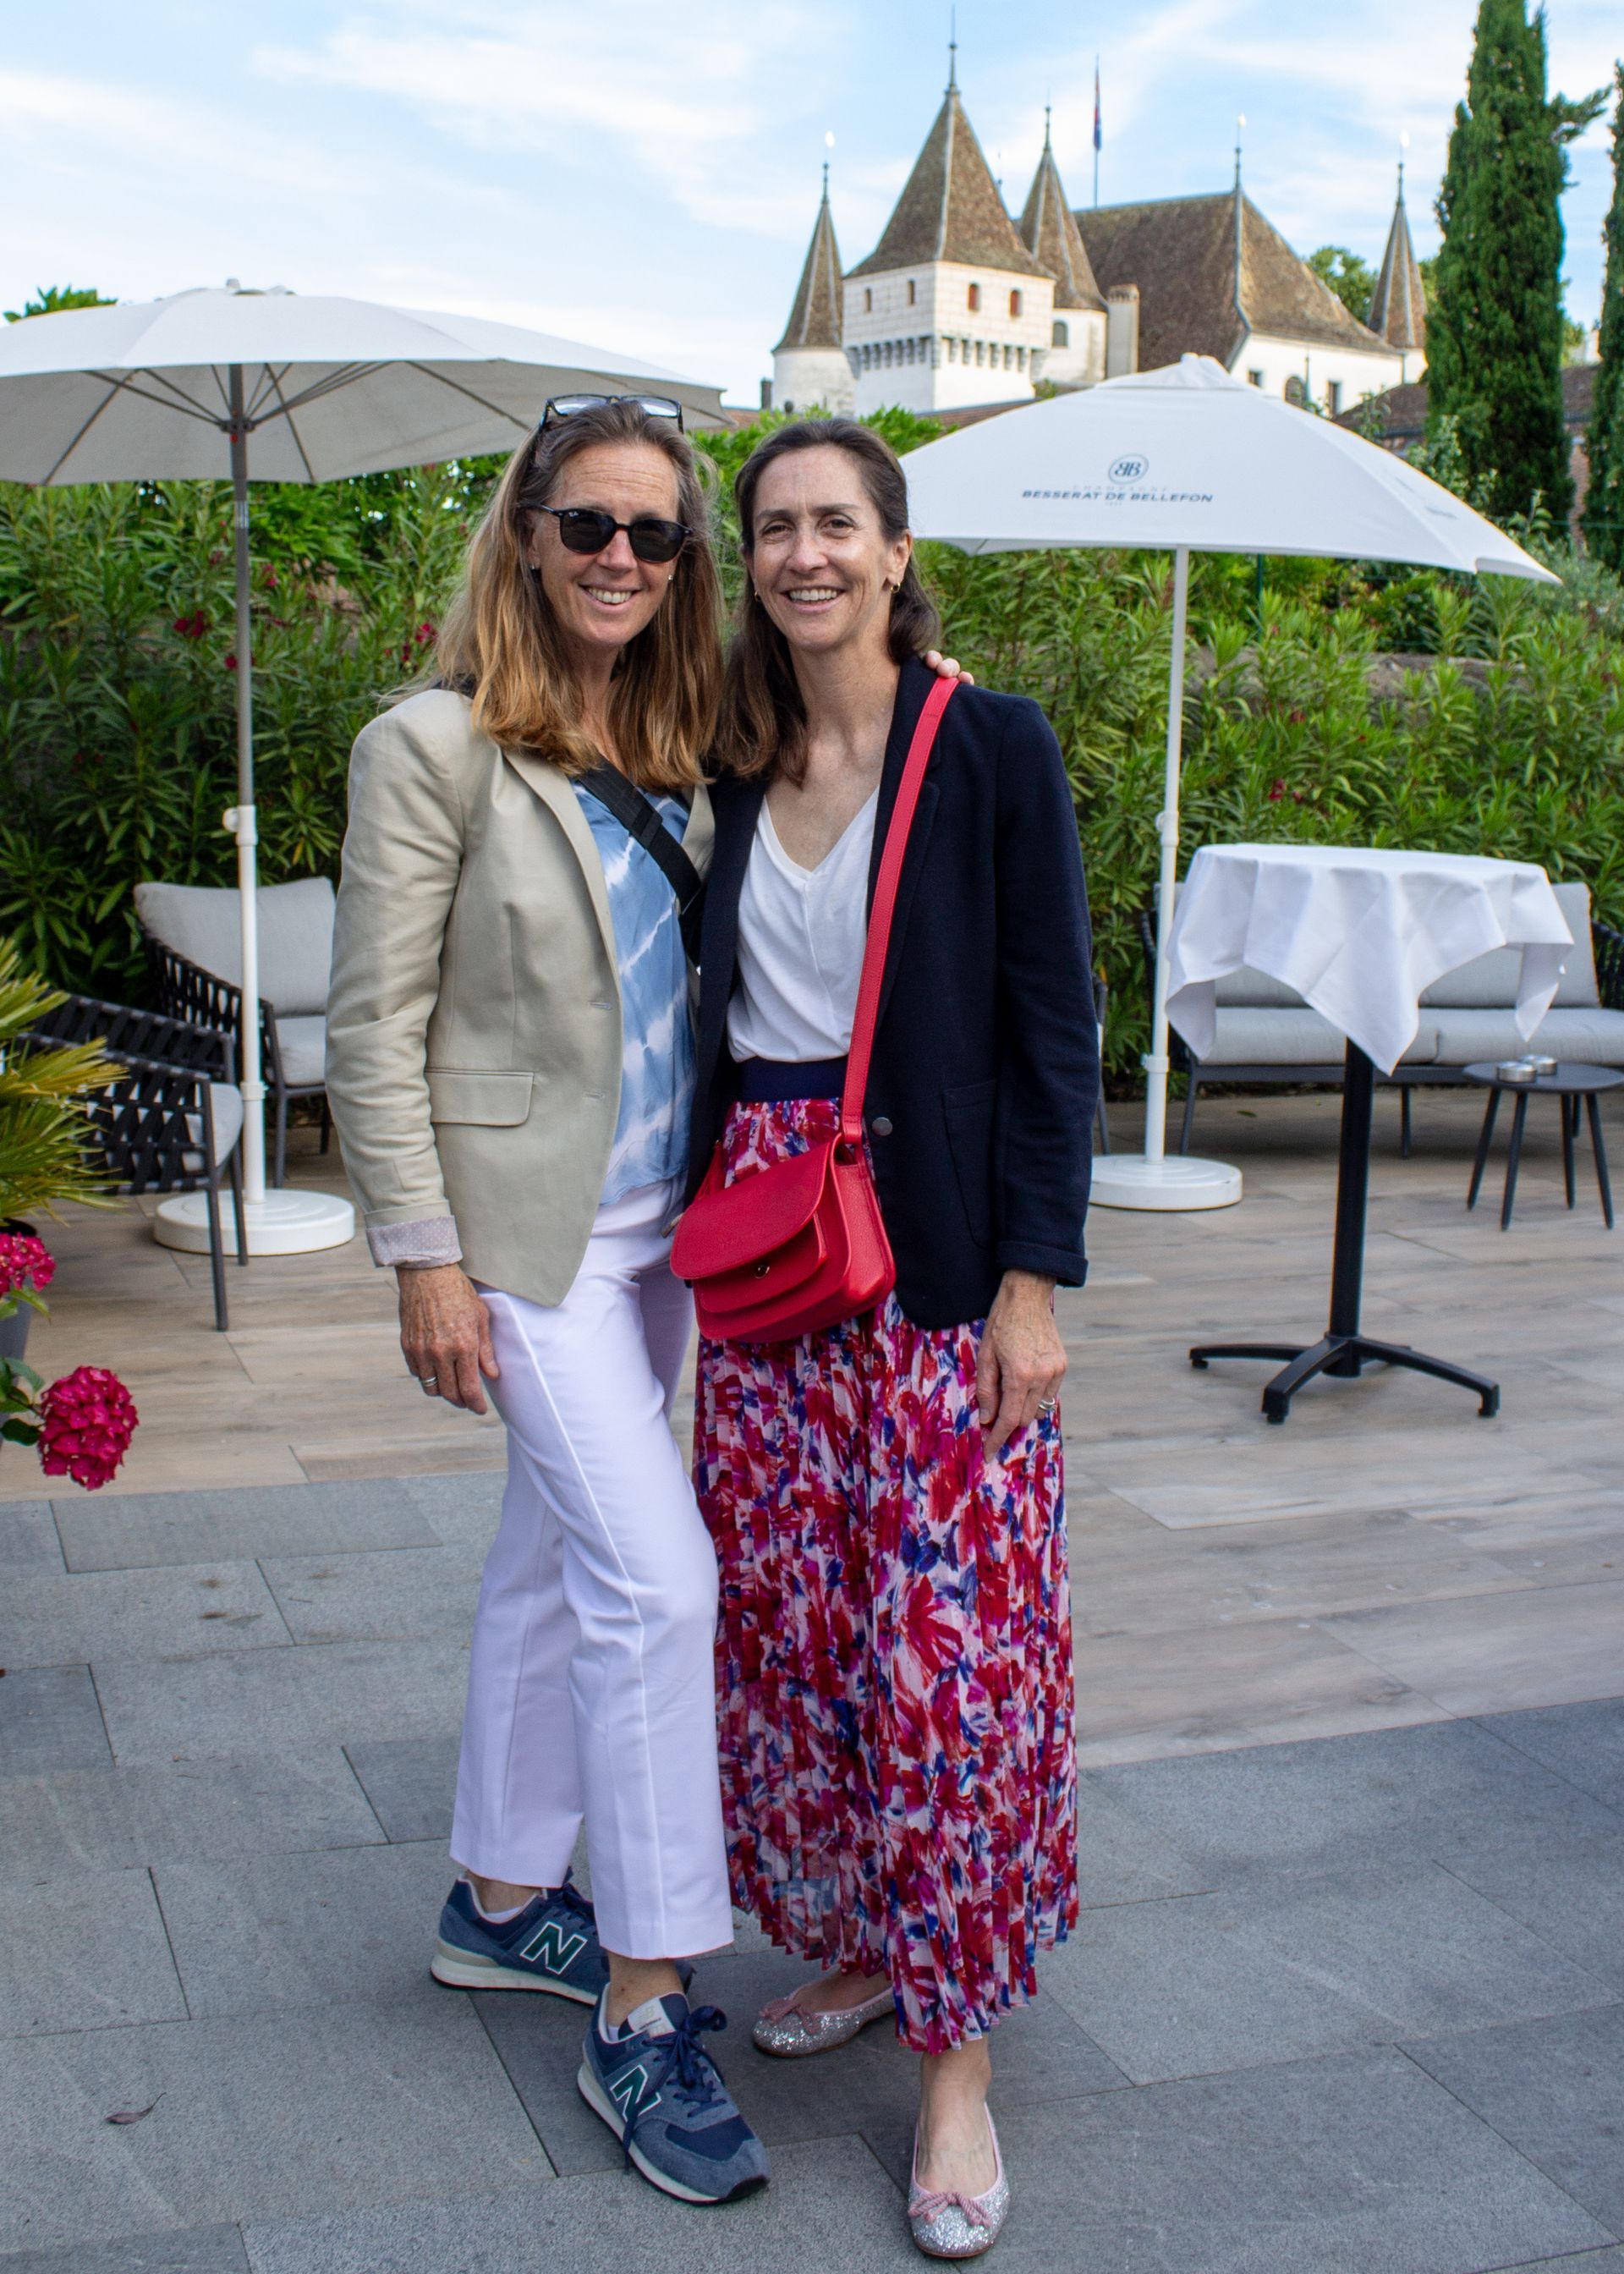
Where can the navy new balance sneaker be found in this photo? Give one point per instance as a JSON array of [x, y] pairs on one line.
[[552, 1944], [663, 2097]]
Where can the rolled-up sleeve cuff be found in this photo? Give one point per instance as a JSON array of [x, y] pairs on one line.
[[1067, 1265], [430, 1239]]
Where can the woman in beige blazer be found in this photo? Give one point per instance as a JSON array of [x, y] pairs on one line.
[[510, 1067]]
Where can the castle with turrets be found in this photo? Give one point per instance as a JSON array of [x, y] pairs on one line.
[[959, 305]]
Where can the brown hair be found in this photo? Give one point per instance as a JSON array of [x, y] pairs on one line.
[[764, 721], [500, 640]]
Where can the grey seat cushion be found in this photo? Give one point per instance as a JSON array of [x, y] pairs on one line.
[[304, 1051], [1250, 989], [296, 935], [226, 1101], [1489, 982], [1289, 1038], [1584, 1037]]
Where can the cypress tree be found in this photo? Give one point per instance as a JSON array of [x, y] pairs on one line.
[[1603, 503], [1494, 334]]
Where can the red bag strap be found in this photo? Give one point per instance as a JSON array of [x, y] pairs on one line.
[[884, 907]]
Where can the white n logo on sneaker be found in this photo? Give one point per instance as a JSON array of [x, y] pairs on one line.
[[551, 1947], [626, 2091]]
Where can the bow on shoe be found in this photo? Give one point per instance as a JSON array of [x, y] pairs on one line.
[[930, 2202]]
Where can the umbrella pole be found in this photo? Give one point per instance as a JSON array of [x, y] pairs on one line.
[[1155, 1062], [241, 819]]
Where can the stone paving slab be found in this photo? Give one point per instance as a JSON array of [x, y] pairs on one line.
[[50, 1720], [1311, 1809], [106, 1820], [1569, 1891], [84, 1954], [263, 1933], [194, 2250], [58, 1618], [1356, 2164], [277, 2115], [28, 1540], [411, 1783], [460, 1508], [373, 1595], [118, 1534], [1584, 1743], [829, 2210], [1554, 2090], [234, 1702], [1230, 1981]]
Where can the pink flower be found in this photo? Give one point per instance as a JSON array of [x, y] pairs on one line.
[[87, 1420], [24, 1260], [192, 626], [231, 663], [425, 635], [1277, 792]]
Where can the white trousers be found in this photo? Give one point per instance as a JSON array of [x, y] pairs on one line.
[[590, 1689]]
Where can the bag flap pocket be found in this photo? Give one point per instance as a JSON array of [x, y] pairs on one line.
[[501, 1101], [726, 1227]]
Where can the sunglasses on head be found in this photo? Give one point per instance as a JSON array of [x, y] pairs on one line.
[[566, 406], [588, 529]]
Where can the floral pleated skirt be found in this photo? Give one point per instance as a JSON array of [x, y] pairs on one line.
[[894, 1651]]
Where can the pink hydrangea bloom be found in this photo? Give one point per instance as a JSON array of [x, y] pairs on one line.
[[87, 1420], [23, 1258]]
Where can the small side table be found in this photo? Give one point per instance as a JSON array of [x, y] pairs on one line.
[[1573, 1086]]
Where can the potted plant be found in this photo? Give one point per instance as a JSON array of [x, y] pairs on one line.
[[82, 1423]]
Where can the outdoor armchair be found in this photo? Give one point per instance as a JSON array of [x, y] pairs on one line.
[[194, 947], [171, 1120]]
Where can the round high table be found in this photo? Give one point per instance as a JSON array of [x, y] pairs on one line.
[[1359, 933]]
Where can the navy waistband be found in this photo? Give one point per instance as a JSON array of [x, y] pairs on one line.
[[773, 1081]]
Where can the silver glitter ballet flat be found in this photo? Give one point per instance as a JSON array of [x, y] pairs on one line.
[[783, 2029], [946, 2225]]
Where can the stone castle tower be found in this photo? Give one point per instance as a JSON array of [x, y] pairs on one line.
[[809, 365], [1398, 305]]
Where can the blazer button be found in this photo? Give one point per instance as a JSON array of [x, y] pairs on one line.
[[880, 1125]]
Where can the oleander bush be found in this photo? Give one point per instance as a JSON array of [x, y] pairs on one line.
[[1386, 708]]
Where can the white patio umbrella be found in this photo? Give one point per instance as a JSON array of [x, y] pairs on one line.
[[274, 387], [1188, 459]]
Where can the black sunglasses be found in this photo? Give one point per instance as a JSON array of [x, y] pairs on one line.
[[588, 529], [566, 406]]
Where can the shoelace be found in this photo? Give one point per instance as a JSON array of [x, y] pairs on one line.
[[572, 1898], [692, 2067]]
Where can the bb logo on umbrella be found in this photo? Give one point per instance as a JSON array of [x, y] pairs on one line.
[[1129, 470]]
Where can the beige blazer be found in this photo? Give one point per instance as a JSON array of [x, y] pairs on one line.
[[474, 1017]]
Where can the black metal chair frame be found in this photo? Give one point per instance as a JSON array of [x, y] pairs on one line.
[[158, 1116], [1607, 945], [201, 998], [1101, 1132]]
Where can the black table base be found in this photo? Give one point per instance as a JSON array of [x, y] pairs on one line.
[[1344, 1350]]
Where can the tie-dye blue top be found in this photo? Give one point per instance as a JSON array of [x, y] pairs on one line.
[[657, 1048]]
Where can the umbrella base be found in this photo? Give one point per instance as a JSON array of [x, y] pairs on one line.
[[282, 1223], [1128, 1180]]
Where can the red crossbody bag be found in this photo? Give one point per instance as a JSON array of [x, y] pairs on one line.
[[789, 1249]]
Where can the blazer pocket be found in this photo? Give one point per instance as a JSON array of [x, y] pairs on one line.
[[971, 1111], [498, 1101]]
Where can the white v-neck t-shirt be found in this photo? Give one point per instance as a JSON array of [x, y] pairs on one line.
[[801, 946]]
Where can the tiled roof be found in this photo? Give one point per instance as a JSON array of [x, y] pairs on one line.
[[1403, 410], [817, 317], [949, 208], [1049, 228], [1206, 275], [1398, 305]]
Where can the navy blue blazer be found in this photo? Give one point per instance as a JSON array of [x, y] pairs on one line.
[[986, 1067]]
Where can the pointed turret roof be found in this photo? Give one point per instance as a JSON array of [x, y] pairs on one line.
[[1049, 227], [816, 319], [1398, 305], [951, 208]]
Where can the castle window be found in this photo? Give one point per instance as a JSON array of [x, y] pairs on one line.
[[1059, 337], [980, 351], [913, 292], [1295, 391], [1255, 379], [1334, 396], [974, 299], [868, 300], [1014, 304]]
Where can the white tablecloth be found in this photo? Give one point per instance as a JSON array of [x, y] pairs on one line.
[[1358, 933]]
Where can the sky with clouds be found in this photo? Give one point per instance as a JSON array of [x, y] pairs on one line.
[[644, 175]]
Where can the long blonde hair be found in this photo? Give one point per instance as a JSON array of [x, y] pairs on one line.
[[501, 642]]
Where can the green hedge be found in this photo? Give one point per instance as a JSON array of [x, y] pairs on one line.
[[117, 722]]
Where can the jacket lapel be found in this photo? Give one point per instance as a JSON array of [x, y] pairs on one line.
[[912, 689], [736, 807], [700, 835], [557, 794]]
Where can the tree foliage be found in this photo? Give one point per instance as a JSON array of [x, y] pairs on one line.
[[1349, 276], [1494, 334], [51, 300], [1604, 504]]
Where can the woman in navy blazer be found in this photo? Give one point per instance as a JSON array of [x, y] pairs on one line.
[[894, 1669]]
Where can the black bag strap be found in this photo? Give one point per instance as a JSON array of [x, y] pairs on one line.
[[639, 817]]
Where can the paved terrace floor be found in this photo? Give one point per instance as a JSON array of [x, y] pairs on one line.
[[1348, 1995]]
